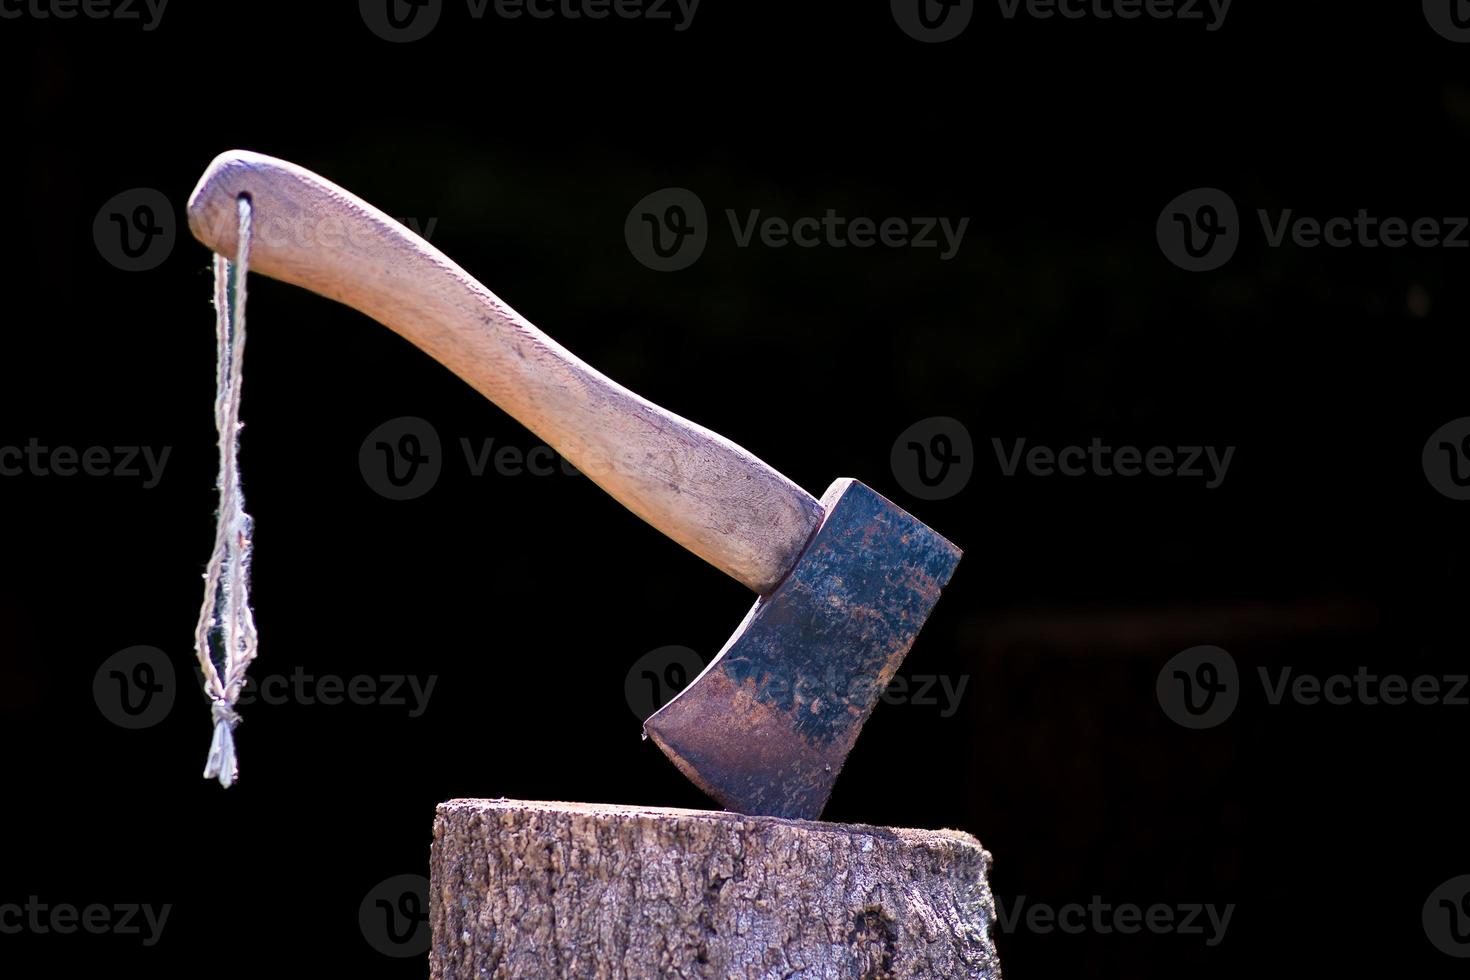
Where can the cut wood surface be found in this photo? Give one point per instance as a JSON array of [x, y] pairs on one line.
[[534, 889]]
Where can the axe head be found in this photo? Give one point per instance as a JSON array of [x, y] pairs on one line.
[[766, 727]]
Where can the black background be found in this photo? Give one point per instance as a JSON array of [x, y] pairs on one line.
[[529, 598]]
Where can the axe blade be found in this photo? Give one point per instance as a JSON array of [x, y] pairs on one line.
[[766, 727]]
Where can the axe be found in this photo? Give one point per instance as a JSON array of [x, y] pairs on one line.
[[843, 584]]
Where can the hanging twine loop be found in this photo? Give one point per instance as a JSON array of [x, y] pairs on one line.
[[225, 639]]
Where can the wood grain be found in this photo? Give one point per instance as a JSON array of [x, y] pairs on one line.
[[523, 889], [699, 488]]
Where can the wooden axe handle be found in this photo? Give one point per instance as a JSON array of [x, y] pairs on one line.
[[699, 488]]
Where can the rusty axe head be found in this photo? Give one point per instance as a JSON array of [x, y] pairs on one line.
[[766, 727]]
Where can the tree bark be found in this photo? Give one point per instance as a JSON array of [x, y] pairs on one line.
[[523, 889]]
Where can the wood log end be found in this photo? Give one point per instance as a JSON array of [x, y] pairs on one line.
[[529, 888]]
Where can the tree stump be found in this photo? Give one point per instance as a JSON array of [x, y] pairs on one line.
[[523, 889]]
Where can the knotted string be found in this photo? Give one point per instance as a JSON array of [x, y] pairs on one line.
[[225, 639]]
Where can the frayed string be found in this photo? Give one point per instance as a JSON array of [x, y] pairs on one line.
[[225, 639]]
